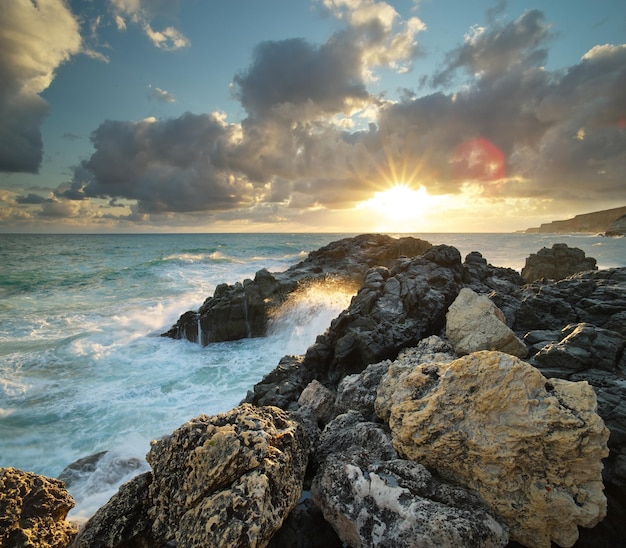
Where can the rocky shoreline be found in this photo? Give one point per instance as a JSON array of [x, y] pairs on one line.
[[452, 403]]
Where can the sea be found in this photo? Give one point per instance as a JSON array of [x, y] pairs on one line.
[[84, 370]]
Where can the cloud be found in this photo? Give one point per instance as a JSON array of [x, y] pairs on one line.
[[166, 166], [35, 38], [509, 129], [298, 80], [496, 50], [297, 76], [30, 199], [561, 135], [143, 13], [160, 95]]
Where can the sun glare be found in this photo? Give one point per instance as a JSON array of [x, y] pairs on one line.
[[401, 208]]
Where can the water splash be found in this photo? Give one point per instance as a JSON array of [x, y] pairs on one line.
[[308, 311]]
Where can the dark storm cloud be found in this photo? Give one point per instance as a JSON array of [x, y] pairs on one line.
[[295, 73], [35, 38], [30, 199], [165, 166]]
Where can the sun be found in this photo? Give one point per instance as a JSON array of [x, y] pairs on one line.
[[400, 208], [400, 201]]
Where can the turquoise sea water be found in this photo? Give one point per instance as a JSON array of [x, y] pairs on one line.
[[82, 366]]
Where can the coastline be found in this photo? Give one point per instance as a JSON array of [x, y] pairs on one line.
[[480, 274]]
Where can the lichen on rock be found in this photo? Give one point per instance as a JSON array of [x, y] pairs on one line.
[[227, 480], [531, 447], [33, 509]]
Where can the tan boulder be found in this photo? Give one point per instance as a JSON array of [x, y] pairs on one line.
[[227, 480], [474, 323], [531, 447], [33, 509]]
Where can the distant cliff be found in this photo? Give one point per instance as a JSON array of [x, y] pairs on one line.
[[611, 222]]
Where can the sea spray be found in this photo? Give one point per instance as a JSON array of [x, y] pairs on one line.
[[293, 327], [308, 311]]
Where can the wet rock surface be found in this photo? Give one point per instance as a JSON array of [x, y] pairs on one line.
[[335, 459], [373, 498], [243, 309], [226, 480]]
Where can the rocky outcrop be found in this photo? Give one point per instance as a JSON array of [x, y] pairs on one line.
[[557, 263], [531, 447], [596, 222], [597, 298], [243, 309], [373, 498], [487, 421], [226, 480], [474, 323], [617, 227], [33, 509], [394, 309]]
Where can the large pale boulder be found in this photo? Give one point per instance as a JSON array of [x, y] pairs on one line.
[[33, 509], [531, 447], [474, 323]]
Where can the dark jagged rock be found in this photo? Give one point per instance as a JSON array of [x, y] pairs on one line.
[[33, 509], [306, 527], [394, 309], [243, 309], [557, 263], [597, 297], [123, 521], [282, 386]]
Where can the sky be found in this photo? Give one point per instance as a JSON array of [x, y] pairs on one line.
[[309, 115]]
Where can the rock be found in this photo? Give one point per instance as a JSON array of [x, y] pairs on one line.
[[358, 392], [583, 352], [79, 469], [474, 323], [351, 434], [582, 346], [305, 527], [394, 309], [617, 227], [529, 446], [282, 386], [597, 297], [557, 263], [33, 509], [123, 521], [226, 480], [374, 499], [243, 309], [320, 399], [484, 278]]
